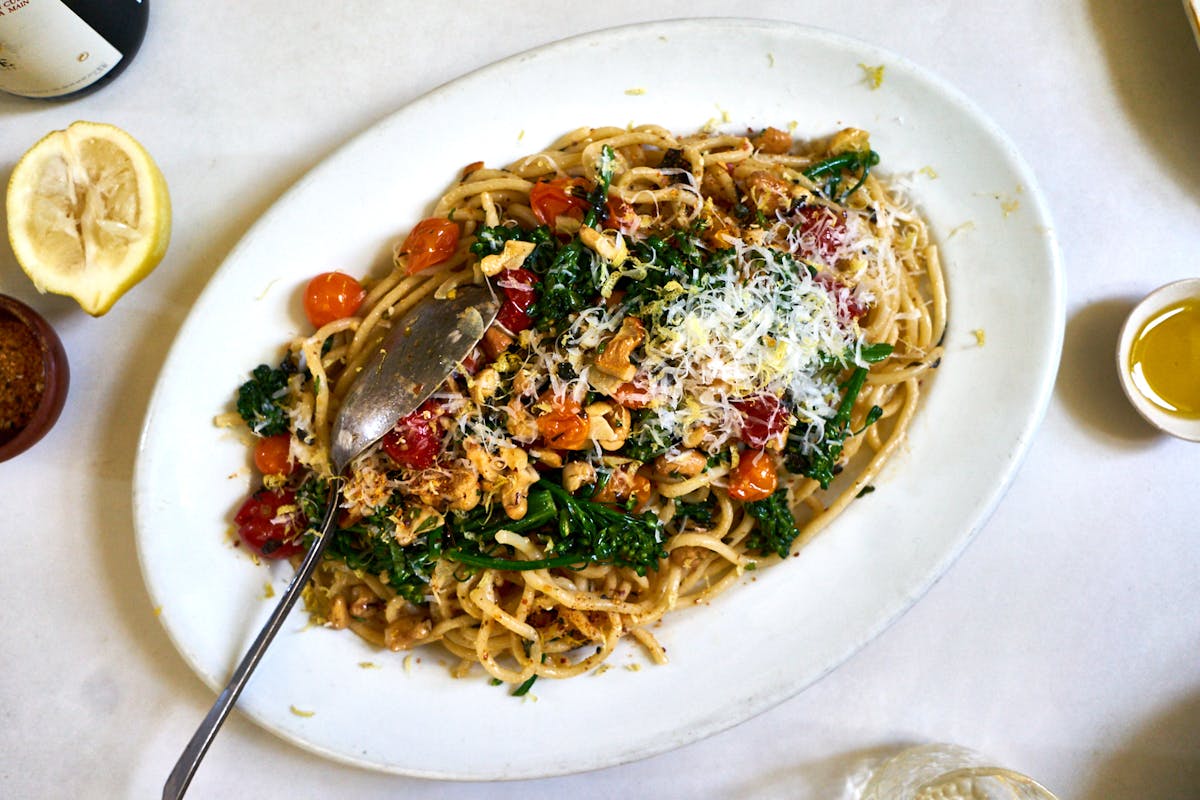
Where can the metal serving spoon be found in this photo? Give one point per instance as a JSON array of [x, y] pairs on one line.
[[415, 357]]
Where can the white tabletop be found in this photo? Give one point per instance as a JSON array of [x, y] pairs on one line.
[[1065, 641]]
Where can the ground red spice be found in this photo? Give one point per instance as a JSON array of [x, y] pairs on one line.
[[22, 376]]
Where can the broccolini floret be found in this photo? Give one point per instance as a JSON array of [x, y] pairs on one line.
[[776, 528]]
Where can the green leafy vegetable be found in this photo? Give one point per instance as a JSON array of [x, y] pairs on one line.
[[524, 688], [577, 532], [597, 198], [776, 529], [369, 545], [820, 463], [852, 161], [260, 400], [700, 513]]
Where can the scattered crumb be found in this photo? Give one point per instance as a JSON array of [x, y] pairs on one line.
[[634, 667], [770, 59], [928, 172], [268, 591], [158, 611], [301, 713], [521, 135], [1009, 206], [980, 336], [963, 228], [724, 114], [635, 91], [872, 76], [408, 664], [600, 670], [369, 665]]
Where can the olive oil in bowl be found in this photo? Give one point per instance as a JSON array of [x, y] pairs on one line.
[[1158, 358]]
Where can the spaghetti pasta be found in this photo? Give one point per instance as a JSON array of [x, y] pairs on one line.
[[709, 345]]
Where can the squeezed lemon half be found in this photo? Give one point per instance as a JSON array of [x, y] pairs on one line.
[[88, 214]]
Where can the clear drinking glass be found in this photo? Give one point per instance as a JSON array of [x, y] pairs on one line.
[[948, 772]]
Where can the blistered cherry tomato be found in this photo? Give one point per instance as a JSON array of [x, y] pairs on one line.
[[269, 525], [430, 242], [621, 215], [563, 426], [519, 294], [849, 308], [631, 395], [754, 478], [550, 200], [272, 455], [332, 296], [763, 419], [822, 231], [416, 441]]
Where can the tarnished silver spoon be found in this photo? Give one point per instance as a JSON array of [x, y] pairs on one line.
[[415, 357]]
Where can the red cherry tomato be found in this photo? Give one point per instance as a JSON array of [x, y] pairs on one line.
[[520, 294], [550, 200], [332, 296], [822, 231], [272, 455], [416, 441], [430, 242], [265, 530], [754, 478], [849, 308], [763, 418]]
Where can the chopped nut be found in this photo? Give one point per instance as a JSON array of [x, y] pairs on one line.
[[608, 424], [577, 474], [609, 246], [512, 257], [684, 464], [615, 358], [484, 385]]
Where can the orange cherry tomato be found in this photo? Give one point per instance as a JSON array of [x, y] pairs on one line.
[[332, 296], [550, 200], [621, 215], [272, 455], [430, 242], [754, 478], [564, 426]]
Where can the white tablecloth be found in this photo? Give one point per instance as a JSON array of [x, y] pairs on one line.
[[1066, 641]]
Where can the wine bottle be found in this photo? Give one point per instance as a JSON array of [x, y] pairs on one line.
[[64, 48]]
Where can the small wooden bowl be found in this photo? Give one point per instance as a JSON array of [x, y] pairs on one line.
[[55, 375]]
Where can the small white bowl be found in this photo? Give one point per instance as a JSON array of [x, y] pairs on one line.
[[1156, 301]]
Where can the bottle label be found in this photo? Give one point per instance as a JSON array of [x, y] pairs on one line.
[[46, 50]]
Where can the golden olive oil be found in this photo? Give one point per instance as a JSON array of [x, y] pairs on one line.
[[1165, 359]]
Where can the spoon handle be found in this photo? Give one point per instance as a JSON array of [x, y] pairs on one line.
[[185, 767]]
